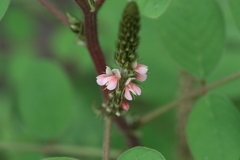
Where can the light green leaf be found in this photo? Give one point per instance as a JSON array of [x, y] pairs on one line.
[[45, 99], [192, 32], [141, 153], [61, 158], [234, 6], [3, 7], [213, 129], [152, 8]]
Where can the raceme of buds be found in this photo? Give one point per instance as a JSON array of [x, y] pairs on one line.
[[128, 39], [121, 83]]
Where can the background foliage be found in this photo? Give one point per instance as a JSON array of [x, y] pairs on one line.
[[47, 83]]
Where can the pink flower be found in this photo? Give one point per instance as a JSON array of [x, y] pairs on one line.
[[141, 70], [125, 105], [131, 87], [110, 79]]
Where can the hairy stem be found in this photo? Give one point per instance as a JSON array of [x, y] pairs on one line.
[[58, 149], [107, 135], [187, 85], [163, 109], [56, 12]]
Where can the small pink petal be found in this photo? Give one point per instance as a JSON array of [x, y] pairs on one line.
[[100, 79], [142, 77], [125, 105], [136, 89], [141, 69], [107, 79], [127, 94], [111, 85]]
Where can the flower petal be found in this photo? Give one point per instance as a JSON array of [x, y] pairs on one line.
[[125, 105], [111, 85], [127, 94], [135, 88], [107, 79], [141, 69], [142, 77], [129, 80], [100, 79], [116, 72], [109, 71]]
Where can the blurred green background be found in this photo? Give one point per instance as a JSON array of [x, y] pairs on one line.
[[47, 82]]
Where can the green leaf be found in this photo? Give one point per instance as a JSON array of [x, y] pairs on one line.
[[192, 32], [45, 99], [3, 7], [152, 8], [61, 158], [213, 129], [234, 6], [141, 153]]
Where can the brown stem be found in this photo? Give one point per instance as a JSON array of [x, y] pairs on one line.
[[91, 35], [163, 109], [56, 12]]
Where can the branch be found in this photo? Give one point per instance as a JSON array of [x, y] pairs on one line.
[[161, 110], [58, 149], [106, 141], [56, 12]]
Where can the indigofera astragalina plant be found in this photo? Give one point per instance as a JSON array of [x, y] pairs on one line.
[[121, 83]]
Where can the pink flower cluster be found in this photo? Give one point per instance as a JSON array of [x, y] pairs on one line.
[[110, 80]]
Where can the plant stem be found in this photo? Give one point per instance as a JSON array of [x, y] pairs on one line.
[[58, 149], [161, 110], [56, 12], [187, 85], [91, 35], [106, 140]]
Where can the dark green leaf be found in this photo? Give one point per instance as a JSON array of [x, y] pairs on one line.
[[141, 153], [213, 129], [192, 32]]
